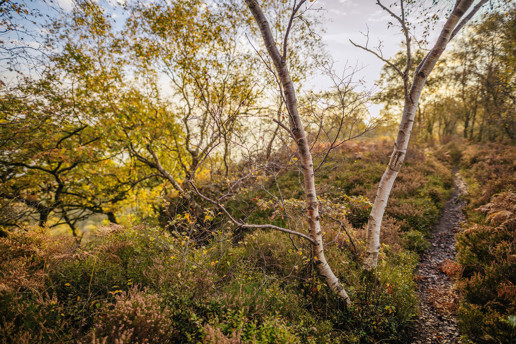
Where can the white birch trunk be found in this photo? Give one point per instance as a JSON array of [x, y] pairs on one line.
[[305, 157], [405, 128]]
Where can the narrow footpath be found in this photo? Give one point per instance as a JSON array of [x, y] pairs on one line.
[[438, 300]]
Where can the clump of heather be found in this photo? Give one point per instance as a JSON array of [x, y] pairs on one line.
[[136, 316]]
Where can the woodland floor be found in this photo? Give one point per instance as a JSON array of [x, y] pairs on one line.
[[438, 300]]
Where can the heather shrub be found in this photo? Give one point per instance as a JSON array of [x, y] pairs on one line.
[[215, 336], [234, 285], [391, 235], [121, 257], [451, 153], [383, 306], [414, 214], [358, 209], [33, 319], [486, 247], [270, 295], [488, 283], [381, 309], [419, 194], [272, 330], [395, 274], [415, 241], [136, 316], [30, 313], [481, 325], [489, 169]]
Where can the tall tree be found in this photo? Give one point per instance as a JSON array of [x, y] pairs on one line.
[[483, 65], [56, 157], [412, 88], [280, 61]]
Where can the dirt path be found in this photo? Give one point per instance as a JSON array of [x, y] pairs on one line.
[[438, 300]]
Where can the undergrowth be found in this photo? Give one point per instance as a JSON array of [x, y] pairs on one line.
[[150, 285], [486, 247]]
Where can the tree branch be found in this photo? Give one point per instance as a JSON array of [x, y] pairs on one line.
[[467, 18], [378, 56], [246, 225], [289, 26]]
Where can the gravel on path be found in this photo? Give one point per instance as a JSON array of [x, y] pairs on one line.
[[438, 299]]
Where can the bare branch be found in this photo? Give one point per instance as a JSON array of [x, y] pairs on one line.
[[246, 225], [401, 19], [295, 9], [164, 172], [378, 55]]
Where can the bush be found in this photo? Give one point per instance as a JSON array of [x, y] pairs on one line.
[[489, 169], [135, 317], [415, 241], [254, 286], [488, 284], [486, 247], [30, 313]]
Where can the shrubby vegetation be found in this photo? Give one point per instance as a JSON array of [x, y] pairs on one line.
[[487, 246], [144, 284]]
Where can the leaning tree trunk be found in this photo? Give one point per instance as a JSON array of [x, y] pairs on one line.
[[305, 157], [450, 29]]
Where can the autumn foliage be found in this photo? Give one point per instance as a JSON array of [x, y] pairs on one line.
[[486, 247], [146, 285]]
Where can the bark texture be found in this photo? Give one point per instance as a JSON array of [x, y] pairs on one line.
[[410, 107], [305, 157]]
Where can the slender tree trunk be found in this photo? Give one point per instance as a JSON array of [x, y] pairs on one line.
[[305, 156], [43, 218], [226, 155], [405, 128], [112, 217], [474, 117], [70, 224], [268, 151], [441, 128], [482, 125], [466, 124]]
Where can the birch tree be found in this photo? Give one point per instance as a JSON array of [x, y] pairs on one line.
[[298, 134], [461, 13]]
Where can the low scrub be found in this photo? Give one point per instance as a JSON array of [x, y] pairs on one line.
[[486, 247], [488, 283], [151, 285]]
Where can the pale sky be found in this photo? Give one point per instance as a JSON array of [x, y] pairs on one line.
[[345, 20]]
